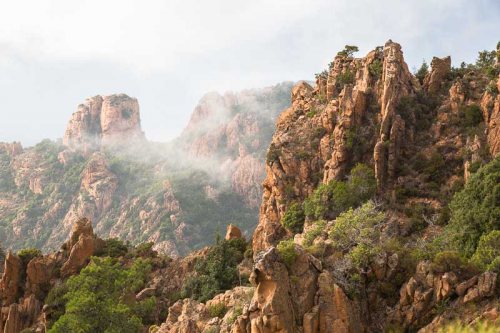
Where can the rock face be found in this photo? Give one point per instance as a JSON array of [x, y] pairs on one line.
[[420, 294], [233, 130], [490, 105], [23, 287], [81, 246], [322, 132], [369, 110], [104, 121], [10, 283], [233, 232], [440, 69]]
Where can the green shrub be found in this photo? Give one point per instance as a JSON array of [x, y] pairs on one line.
[[312, 112], [356, 232], [346, 77], [476, 327], [348, 51], [113, 248], [93, 300], [329, 200], [471, 115], [145, 250], [446, 261], [286, 249], [217, 310], [273, 154], [376, 68], [216, 272], [422, 72], [237, 311], [475, 210], [26, 255], [293, 219], [487, 253], [312, 234]]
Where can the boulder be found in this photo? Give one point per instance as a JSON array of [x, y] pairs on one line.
[[233, 232]]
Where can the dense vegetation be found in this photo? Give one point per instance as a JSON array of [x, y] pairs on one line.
[[217, 271], [101, 298], [330, 199], [475, 213]]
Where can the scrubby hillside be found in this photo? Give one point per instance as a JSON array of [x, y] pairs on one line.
[[380, 213], [135, 190]]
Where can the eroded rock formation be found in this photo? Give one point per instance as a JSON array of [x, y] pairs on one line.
[[107, 121]]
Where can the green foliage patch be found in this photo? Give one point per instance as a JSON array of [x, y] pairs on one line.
[[97, 299], [329, 200], [216, 272]]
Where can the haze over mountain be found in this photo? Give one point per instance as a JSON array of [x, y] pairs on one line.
[[361, 197]]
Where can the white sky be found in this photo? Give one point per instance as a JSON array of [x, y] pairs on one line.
[[54, 54]]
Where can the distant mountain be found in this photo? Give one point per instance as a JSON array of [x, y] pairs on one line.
[[177, 195]]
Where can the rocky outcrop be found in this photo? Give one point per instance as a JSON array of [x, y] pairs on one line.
[[99, 183], [427, 289], [83, 131], [81, 246], [10, 283], [12, 149], [440, 68], [233, 232], [232, 131], [24, 286], [107, 121], [490, 105], [397, 82], [319, 140], [39, 272]]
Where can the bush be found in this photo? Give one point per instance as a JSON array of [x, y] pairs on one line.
[[331, 199], [93, 300], [471, 115], [216, 272], [487, 254], [273, 154], [312, 234], [356, 232], [476, 327], [446, 261], [145, 250], [26, 255], [422, 72], [113, 248], [376, 68], [475, 210], [217, 310], [348, 51], [293, 219], [286, 249], [344, 78]]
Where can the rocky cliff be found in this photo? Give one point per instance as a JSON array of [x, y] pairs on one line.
[[379, 210], [233, 131], [104, 121], [173, 194]]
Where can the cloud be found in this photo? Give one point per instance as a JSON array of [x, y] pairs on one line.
[[54, 54]]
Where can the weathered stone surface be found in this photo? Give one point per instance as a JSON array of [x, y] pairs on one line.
[[440, 68], [106, 121], [490, 106], [39, 272], [81, 247], [233, 232], [11, 279], [336, 311]]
